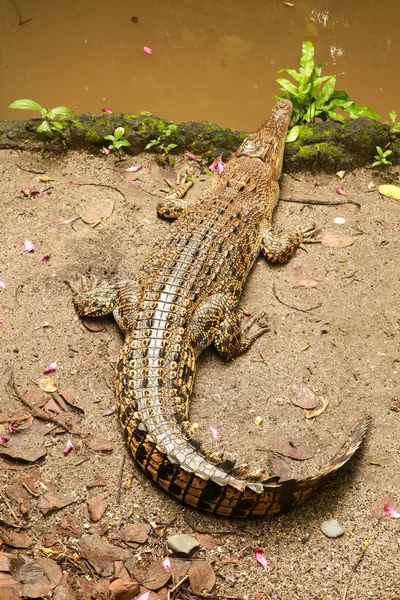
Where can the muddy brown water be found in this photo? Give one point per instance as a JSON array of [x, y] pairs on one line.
[[214, 61]]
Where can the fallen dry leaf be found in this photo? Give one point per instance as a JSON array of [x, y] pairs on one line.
[[201, 576], [280, 466], [15, 539], [24, 569], [54, 501], [301, 395], [136, 533], [390, 191], [207, 541], [101, 554], [98, 444], [153, 577], [47, 384], [97, 506], [26, 453], [94, 324], [97, 210], [332, 239], [124, 590], [311, 414]]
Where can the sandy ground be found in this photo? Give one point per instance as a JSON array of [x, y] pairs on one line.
[[338, 333]]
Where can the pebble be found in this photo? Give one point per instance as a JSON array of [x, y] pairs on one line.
[[332, 528], [183, 544]]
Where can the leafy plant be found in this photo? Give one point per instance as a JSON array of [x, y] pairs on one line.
[[52, 117], [395, 127], [381, 157], [160, 144], [315, 96], [117, 139]]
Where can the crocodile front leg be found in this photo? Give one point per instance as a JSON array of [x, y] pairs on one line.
[[173, 205], [280, 248], [100, 299]]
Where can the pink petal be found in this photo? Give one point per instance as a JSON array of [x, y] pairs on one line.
[[134, 169], [51, 368], [216, 436], [144, 596], [11, 428], [65, 222], [341, 191], [106, 151], [166, 564], [147, 50], [45, 258], [390, 512], [29, 247], [1, 322], [2, 284], [260, 558], [220, 166], [213, 167], [107, 111], [4, 439], [109, 411], [28, 192], [68, 447], [133, 184], [192, 156]]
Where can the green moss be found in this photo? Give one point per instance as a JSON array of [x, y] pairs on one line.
[[131, 117], [76, 123], [91, 135], [308, 152], [305, 132], [329, 150]]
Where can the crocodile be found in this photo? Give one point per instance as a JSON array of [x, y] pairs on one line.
[[185, 297]]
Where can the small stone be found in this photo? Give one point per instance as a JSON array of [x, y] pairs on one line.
[[332, 528], [183, 544]]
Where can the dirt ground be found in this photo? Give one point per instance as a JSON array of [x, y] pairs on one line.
[[334, 325]]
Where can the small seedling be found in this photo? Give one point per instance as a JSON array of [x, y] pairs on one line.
[[315, 96], [160, 144], [395, 127], [117, 139], [381, 157], [52, 117]]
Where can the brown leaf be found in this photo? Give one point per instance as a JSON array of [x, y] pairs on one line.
[[179, 567], [280, 466], [5, 561], [24, 569], [15, 540], [47, 384], [310, 414], [336, 240], [64, 591], [153, 577], [52, 406], [97, 482], [301, 395], [97, 506], [101, 554], [98, 444], [52, 570], [54, 501], [201, 576], [27, 453], [36, 397], [94, 323], [7, 591], [98, 210], [207, 541], [69, 397], [136, 532], [37, 590], [294, 449], [124, 590]]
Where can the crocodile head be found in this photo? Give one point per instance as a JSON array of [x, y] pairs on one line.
[[268, 142]]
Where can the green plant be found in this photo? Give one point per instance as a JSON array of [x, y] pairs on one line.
[[395, 127], [117, 139], [160, 143], [381, 157], [315, 96], [52, 117]]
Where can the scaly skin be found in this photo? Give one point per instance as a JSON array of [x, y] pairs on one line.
[[183, 299]]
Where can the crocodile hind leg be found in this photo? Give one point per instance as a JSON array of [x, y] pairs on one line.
[[217, 320], [173, 205], [280, 248], [100, 299]]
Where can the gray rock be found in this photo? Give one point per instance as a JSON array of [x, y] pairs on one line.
[[183, 544], [332, 528]]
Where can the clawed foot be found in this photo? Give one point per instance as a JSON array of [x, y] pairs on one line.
[[308, 234], [91, 298], [262, 328]]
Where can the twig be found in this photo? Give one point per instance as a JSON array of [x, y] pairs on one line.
[[15, 419], [82, 461], [121, 472], [321, 202], [6, 502], [41, 172], [21, 22], [354, 569], [294, 307], [28, 489], [178, 585], [111, 187], [150, 193], [216, 596]]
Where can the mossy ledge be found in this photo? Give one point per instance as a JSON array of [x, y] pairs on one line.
[[328, 146]]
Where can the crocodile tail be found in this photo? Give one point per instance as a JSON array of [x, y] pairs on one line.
[[294, 492]]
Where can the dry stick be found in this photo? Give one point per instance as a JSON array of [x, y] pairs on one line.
[[216, 596], [9, 507], [121, 472], [294, 307], [111, 187], [28, 489], [178, 585], [41, 172], [321, 202], [15, 419], [21, 22]]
